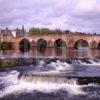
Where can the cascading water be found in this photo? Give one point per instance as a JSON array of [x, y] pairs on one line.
[[40, 83], [48, 80], [8, 78], [68, 78]]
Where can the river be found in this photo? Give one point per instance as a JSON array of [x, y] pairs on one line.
[[69, 74]]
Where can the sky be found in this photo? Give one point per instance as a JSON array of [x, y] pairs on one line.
[[73, 15]]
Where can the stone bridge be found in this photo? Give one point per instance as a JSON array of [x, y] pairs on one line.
[[55, 40]]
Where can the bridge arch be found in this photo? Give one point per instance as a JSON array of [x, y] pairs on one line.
[[6, 45], [81, 44], [41, 44], [24, 45], [60, 43]]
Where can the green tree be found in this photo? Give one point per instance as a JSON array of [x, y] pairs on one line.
[[34, 31], [45, 31], [38, 31]]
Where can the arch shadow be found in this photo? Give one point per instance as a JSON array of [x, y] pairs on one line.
[[98, 47], [6, 46], [81, 44], [24, 45], [41, 45], [59, 43]]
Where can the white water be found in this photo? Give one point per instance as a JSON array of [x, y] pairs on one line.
[[57, 67], [46, 84], [60, 66], [43, 84], [90, 60], [9, 78]]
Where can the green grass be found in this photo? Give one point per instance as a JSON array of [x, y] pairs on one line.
[[4, 63]]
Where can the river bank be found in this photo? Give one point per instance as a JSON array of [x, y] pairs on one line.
[[13, 62]]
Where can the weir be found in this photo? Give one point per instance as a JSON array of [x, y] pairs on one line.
[[47, 75], [47, 63], [79, 71], [72, 80]]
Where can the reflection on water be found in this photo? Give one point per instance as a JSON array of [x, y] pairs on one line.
[[61, 52]]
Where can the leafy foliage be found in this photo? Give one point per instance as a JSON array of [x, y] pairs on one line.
[[43, 31]]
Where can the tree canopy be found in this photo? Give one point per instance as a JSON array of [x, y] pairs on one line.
[[46, 31], [43, 31]]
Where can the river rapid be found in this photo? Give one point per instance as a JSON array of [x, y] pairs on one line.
[[58, 79]]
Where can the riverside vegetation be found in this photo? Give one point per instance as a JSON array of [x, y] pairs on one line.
[[12, 62]]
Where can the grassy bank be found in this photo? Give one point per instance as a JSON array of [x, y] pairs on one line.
[[13, 62]]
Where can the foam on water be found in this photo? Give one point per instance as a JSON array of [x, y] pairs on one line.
[[38, 83], [60, 66], [30, 83], [9, 78], [52, 68], [85, 61], [41, 85]]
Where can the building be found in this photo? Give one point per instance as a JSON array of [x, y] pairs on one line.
[[12, 33], [20, 32]]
